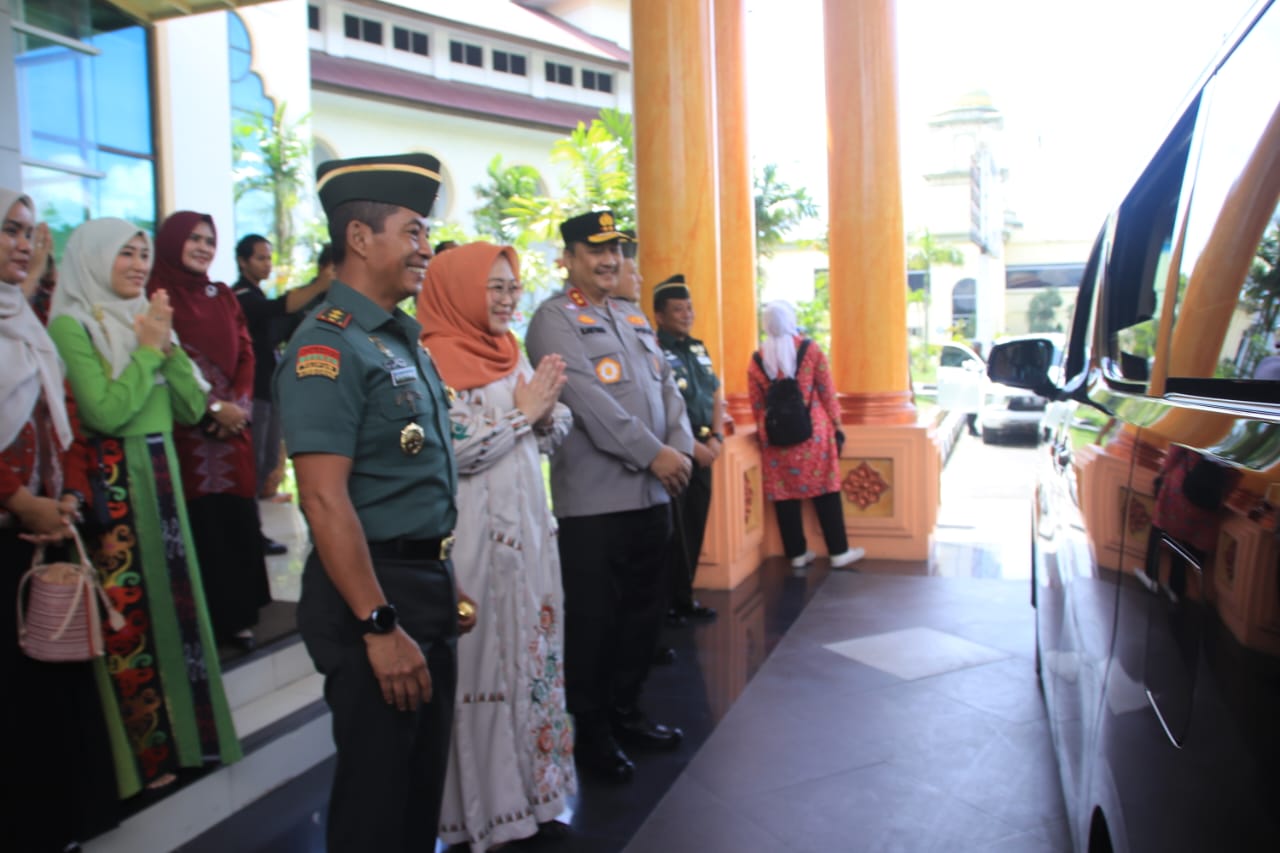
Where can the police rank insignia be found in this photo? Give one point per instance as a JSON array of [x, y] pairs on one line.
[[576, 297], [412, 438], [335, 317], [317, 360]]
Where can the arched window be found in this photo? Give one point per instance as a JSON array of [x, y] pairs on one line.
[[964, 307], [251, 114]]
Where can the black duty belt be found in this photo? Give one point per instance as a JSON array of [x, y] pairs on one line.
[[403, 548]]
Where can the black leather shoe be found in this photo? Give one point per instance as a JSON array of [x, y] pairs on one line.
[[601, 756], [697, 610], [635, 728], [272, 548], [675, 618], [664, 656]]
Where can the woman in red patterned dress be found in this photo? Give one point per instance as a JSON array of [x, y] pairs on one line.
[[216, 455], [59, 786], [810, 469]]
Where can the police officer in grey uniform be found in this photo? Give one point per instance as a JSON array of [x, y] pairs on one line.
[[611, 482], [365, 418], [691, 365]]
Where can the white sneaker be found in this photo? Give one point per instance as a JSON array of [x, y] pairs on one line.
[[848, 558], [803, 560]]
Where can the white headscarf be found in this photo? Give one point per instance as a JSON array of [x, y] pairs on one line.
[[29, 363], [84, 291], [779, 348]]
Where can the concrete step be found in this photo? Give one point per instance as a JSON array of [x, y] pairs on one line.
[[277, 704]]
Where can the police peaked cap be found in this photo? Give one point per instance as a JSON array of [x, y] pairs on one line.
[[599, 226], [407, 180]]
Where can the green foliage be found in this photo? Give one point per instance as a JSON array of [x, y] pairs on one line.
[[813, 316], [923, 252], [779, 208], [273, 155], [1261, 298], [600, 161], [493, 219], [1042, 314]]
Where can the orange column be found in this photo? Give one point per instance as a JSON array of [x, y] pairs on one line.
[[868, 252], [737, 205], [676, 197]]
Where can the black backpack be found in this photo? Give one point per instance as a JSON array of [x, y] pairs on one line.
[[786, 413]]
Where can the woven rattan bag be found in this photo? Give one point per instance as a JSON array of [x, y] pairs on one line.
[[62, 621]]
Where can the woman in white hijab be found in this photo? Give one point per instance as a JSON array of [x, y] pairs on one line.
[[131, 380], [54, 747], [810, 469]]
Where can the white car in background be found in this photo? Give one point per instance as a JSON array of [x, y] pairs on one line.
[[1015, 412], [962, 379]]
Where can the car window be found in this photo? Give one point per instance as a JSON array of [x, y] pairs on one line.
[[1141, 254], [954, 357], [1228, 298]]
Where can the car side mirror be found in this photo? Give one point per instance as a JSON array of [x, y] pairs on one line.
[[1024, 364]]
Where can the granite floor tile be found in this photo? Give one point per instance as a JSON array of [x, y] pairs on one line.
[[691, 819], [1006, 688], [876, 809]]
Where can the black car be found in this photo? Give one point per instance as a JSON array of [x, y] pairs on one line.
[[1156, 571]]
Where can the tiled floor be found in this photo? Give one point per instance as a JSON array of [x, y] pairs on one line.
[[854, 736], [892, 709]]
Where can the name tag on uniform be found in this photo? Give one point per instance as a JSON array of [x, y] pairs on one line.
[[591, 330], [705, 361], [403, 375], [644, 330]]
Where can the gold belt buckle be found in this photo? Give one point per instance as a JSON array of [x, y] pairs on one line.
[[446, 547]]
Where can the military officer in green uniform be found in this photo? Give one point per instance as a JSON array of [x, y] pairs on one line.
[[697, 381], [365, 418], [611, 483]]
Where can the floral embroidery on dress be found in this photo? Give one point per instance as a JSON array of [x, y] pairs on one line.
[[550, 729]]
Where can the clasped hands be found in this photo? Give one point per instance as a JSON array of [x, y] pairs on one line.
[[537, 396]]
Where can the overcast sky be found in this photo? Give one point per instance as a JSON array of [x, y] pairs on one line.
[[1087, 88]]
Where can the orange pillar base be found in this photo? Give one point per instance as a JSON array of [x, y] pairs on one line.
[[731, 549], [891, 486]]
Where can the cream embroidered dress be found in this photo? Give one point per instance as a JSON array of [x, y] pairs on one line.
[[511, 758]]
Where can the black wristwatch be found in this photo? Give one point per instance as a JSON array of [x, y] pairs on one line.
[[382, 620]]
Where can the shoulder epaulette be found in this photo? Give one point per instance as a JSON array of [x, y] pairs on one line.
[[335, 316]]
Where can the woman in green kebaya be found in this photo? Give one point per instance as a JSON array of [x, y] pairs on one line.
[[162, 685]]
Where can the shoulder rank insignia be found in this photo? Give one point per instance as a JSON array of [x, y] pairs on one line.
[[335, 317], [316, 360], [576, 297]]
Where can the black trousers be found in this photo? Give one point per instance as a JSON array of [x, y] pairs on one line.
[[391, 764], [830, 518], [612, 569], [690, 524]]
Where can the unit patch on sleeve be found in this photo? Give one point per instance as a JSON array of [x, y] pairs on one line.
[[335, 316], [316, 360]]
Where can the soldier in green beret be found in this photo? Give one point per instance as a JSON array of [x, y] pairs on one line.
[[366, 420], [697, 381]]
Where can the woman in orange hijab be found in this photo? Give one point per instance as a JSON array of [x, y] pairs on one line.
[[512, 748]]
